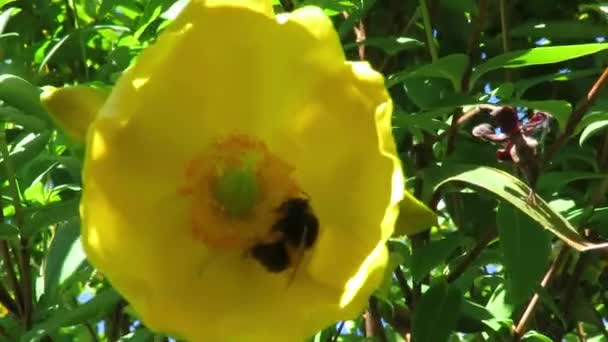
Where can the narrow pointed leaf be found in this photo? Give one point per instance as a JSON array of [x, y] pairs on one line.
[[512, 190]]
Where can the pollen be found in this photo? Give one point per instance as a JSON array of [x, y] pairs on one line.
[[233, 189]]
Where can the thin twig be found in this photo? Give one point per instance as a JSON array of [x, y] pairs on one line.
[[373, 321], [336, 334], [525, 317], [458, 120], [573, 282], [405, 289], [7, 301], [361, 36], [402, 32], [23, 256], [12, 276], [477, 23], [577, 115], [287, 5], [580, 331], [5, 254], [506, 37], [428, 30], [472, 255]]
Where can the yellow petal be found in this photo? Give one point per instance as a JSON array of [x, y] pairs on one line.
[[414, 217], [285, 82], [74, 108], [262, 6]]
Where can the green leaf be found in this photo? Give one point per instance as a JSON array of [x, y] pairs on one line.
[[437, 313], [338, 6], [549, 302], [558, 29], [535, 336], [37, 218], [559, 109], [526, 249], [98, 307], [593, 128], [475, 311], [25, 151], [498, 304], [467, 6], [450, 67], [64, 257], [22, 95], [29, 122], [422, 120], [554, 181], [390, 45], [139, 335], [430, 255], [522, 85], [511, 190], [8, 231], [536, 56]]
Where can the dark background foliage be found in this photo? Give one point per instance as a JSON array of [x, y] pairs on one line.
[[497, 266]]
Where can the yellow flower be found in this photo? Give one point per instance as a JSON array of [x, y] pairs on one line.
[[241, 179]]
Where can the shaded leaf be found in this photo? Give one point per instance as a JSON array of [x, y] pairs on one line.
[[522, 85], [24, 152], [390, 45], [554, 181], [37, 218], [64, 257], [8, 231], [437, 313], [427, 257], [22, 95], [526, 249], [450, 67], [558, 29], [101, 304]]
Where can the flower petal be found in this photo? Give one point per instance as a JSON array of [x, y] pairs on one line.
[[74, 108], [285, 82], [348, 169]]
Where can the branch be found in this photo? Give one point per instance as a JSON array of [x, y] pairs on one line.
[[506, 37], [373, 321], [472, 255], [477, 24], [405, 289], [428, 30], [23, 256], [577, 115], [525, 317]]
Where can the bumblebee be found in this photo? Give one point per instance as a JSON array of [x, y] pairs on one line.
[[295, 231]]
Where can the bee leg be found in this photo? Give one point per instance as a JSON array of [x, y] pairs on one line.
[[299, 255]]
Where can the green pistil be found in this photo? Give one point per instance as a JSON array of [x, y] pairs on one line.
[[236, 188]]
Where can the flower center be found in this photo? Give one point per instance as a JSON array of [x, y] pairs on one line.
[[234, 188]]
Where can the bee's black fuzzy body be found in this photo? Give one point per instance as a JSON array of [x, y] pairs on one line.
[[297, 228]]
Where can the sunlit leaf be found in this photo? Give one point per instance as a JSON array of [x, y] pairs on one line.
[[513, 191], [536, 56]]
